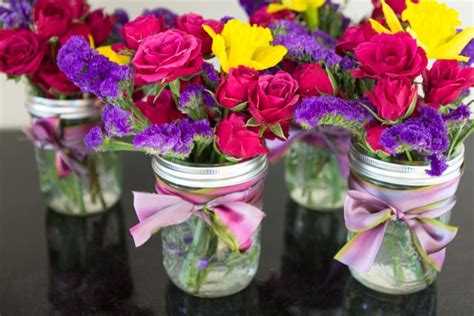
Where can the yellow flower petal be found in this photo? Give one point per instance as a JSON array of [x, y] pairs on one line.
[[453, 48], [91, 41], [379, 28], [391, 18], [275, 7], [269, 56], [295, 5], [108, 52]]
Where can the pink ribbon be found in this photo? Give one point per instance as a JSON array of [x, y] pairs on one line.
[[337, 140], [46, 133], [369, 209], [235, 212]]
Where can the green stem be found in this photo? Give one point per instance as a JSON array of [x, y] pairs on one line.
[[409, 156], [312, 18]]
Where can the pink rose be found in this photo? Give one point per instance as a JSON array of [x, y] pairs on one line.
[[21, 52], [101, 25], [313, 80], [235, 140], [445, 82], [262, 18], [390, 55], [53, 81], [136, 31], [272, 98], [353, 36], [374, 131], [234, 88], [167, 56], [192, 24], [160, 111], [392, 97], [79, 29]]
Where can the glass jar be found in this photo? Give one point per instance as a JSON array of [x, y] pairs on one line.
[[90, 182], [398, 267], [195, 259], [316, 169]]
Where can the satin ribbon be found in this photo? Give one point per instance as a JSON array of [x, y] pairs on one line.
[[46, 133], [337, 140], [369, 209], [235, 212]]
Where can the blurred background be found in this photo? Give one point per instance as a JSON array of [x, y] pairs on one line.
[[12, 95]]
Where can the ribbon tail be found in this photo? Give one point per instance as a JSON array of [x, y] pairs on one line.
[[241, 221], [360, 252], [279, 148], [63, 165]]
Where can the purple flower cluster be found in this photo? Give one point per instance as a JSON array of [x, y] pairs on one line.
[[168, 16], [250, 6], [117, 122], [425, 134], [285, 27], [210, 75], [94, 138], [461, 113], [17, 14], [468, 51], [121, 18], [174, 140], [332, 110], [438, 165], [325, 39], [90, 71], [191, 102]]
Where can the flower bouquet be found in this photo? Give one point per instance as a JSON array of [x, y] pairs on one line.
[[206, 130], [407, 154], [317, 164], [72, 179]]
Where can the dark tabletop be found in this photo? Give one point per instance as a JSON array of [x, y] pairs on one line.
[[51, 264]]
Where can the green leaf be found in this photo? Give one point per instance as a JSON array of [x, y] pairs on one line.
[[410, 110], [240, 107], [252, 122], [175, 87], [335, 87], [278, 131]]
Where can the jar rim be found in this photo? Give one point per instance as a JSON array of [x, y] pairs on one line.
[[404, 174], [194, 175], [65, 109]]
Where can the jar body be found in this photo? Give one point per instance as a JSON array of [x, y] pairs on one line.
[[95, 190], [313, 176]]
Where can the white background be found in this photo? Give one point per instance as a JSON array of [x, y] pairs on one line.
[[12, 96]]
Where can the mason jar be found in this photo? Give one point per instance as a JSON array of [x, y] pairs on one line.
[[316, 169], [398, 267], [195, 259], [91, 183]]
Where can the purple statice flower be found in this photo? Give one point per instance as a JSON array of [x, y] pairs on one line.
[[468, 51], [174, 140], [121, 18], [16, 13], [90, 71], [461, 113], [325, 39], [117, 122], [347, 63], [94, 138], [250, 6], [329, 110], [285, 27], [438, 165], [226, 19], [301, 47], [210, 75], [168, 16], [191, 102], [202, 264]]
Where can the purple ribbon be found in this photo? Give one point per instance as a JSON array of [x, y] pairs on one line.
[[369, 209], [337, 140], [46, 133], [235, 212]]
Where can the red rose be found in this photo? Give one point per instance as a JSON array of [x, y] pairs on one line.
[[313, 80], [397, 5], [445, 81], [353, 36], [53, 81], [235, 140], [262, 18], [192, 24], [160, 111], [21, 52], [76, 29], [51, 18], [136, 31], [392, 97], [390, 55], [374, 131], [272, 98], [234, 88], [101, 25], [166, 56]]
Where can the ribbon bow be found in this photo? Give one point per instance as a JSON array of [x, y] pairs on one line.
[[233, 220], [337, 140], [47, 133], [368, 210]]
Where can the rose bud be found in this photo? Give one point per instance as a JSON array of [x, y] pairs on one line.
[[234, 88], [136, 31], [101, 26], [192, 24], [313, 80], [160, 110]]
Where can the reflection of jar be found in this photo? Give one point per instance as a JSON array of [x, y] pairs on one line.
[[195, 258], [88, 261], [316, 169], [361, 301], [414, 201], [73, 180], [179, 303]]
